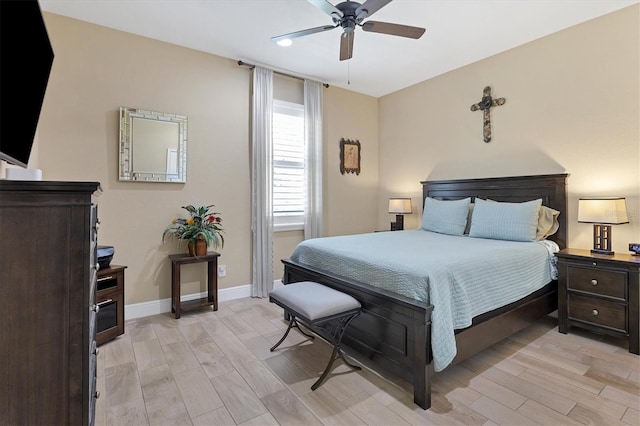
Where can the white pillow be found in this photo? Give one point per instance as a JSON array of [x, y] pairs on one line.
[[445, 216], [505, 221]]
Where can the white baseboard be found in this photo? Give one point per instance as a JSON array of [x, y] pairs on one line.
[[155, 307]]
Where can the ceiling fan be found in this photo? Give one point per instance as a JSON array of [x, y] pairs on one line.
[[350, 14]]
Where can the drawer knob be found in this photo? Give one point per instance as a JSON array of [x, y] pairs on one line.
[[594, 282], [97, 394], [595, 263], [595, 312]]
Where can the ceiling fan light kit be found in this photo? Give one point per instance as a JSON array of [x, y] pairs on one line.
[[348, 15], [285, 42]]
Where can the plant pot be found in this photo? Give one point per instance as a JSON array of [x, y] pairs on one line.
[[197, 248]]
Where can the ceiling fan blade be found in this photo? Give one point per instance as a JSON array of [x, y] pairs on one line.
[[303, 32], [327, 8], [393, 29], [370, 7], [346, 45]]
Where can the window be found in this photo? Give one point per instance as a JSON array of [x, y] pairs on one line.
[[289, 192]]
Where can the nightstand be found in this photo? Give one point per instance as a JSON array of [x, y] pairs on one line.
[[110, 300], [599, 293]]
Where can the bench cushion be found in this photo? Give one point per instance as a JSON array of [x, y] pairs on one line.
[[314, 301]]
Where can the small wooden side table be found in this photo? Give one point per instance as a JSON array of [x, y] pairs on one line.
[[110, 300], [177, 260]]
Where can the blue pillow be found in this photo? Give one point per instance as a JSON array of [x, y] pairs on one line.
[[505, 221], [445, 216]]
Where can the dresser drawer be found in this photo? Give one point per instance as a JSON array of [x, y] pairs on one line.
[[597, 281], [110, 281], [598, 312]]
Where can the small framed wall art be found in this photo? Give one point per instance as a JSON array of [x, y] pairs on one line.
[[349, 156]]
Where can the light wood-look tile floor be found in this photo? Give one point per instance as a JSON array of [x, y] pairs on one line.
[[215, 368]]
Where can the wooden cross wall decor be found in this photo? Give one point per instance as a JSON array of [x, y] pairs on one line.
[[485, 105]]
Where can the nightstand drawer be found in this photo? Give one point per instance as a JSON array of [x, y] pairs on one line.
[[598, 312], [597, 281]]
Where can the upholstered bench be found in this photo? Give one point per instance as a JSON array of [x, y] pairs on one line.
[[321, 309]]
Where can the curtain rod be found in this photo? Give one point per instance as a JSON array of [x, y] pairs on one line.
[[251, 66]]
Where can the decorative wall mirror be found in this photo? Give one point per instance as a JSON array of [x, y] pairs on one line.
[[153, 146]]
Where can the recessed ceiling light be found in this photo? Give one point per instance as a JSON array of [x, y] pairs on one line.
[[285, 42]]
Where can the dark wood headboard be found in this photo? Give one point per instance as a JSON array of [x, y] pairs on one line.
[[551, 188]]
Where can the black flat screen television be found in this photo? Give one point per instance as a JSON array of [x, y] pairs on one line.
[[26, 57]]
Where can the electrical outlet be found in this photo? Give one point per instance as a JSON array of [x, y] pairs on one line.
[[222, 270]]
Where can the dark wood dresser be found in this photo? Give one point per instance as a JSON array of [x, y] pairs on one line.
[[48, 262], [599, 293]]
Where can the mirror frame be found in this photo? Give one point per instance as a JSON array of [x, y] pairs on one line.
[[126, 167]]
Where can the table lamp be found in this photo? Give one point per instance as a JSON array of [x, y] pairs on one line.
[[602, 212], [399, 206]]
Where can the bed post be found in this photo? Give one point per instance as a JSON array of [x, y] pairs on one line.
[[422, 361]]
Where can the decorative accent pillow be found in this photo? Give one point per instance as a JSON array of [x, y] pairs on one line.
[[547, 223], [505, 221], [445, 216]]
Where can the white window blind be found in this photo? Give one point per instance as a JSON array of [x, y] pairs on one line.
[[288, 165]]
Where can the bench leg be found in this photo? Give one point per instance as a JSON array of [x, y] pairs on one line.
[[310, 336], [337, 352], [292, 323]]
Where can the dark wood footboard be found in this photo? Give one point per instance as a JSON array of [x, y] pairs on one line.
[[392, 332]]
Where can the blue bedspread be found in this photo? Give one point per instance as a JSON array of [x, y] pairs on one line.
[[461, 277]]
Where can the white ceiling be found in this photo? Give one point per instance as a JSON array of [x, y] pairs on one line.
[[459, 32]]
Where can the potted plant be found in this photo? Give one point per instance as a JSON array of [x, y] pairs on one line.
[[203, 228]]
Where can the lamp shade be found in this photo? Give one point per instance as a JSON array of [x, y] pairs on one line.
[[400, 205], [610, 211]]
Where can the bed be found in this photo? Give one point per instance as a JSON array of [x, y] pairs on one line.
[[394, 331]]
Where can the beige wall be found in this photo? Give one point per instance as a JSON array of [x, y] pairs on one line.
[[350, 199], [572, 106], [283, 244], [96, 70]]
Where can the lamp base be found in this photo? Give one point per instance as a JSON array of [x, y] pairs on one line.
[[399, 222], [602, 239]]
